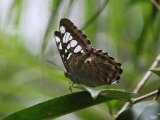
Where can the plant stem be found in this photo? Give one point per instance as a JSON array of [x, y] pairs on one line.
[[142, 81], [147, 75], [157, 6], [135, 100], [145, 78], [95, 15]]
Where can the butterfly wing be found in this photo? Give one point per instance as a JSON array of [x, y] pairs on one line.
[[75, 33], [84, 64], [71, 42], [99, 69]]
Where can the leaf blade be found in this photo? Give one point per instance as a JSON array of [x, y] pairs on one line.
[[66, 104], [156, 71]]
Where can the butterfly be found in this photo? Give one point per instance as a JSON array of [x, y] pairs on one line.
[[84, 64]]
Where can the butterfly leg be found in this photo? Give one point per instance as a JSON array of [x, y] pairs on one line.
[[71, 84]]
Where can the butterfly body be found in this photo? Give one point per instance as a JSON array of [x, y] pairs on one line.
[[84, 64]]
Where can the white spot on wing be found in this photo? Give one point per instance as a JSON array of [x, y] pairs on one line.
[[60, 46], [88, 59], [73, 43], [68, 46], [115, 82], [57, 39], [70, 38], [77, 49], [82, 51], [65, 50], [69, 55], [62, 29], [66, 37]]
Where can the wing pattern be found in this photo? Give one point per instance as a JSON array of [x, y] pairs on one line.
[[84, 64]]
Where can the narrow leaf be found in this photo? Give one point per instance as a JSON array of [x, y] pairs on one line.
[[156, 71], [66, 104]]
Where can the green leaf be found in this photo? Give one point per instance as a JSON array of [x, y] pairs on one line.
[[148, 110], [156, 71], [66, 104], [15, 11], [50, 25], [94, 93]]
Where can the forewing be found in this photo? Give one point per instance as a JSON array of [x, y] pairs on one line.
[[71, 43], [66, 26]]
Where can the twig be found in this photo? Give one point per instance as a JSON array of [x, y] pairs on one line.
[[158, 94], [142, 81], [147, 75], [135, 100], [154, 2], [95, 15]]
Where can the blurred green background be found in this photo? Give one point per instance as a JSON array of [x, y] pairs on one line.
[[128, 29]]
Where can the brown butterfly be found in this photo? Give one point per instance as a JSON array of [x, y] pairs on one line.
[[84, 64]]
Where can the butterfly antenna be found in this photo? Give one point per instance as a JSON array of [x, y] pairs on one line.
[[56, 65]]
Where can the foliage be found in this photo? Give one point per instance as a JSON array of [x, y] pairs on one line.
[[156, 71], [66, 104], [142, 111]]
